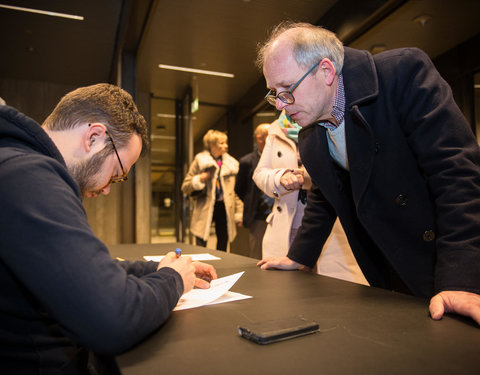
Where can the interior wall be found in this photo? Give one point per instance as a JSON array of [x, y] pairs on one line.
[[458, 67], [34, 99], [143, 181]]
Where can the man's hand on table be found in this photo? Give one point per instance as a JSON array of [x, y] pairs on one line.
[[463, 303], [196, 274], [280, 263]]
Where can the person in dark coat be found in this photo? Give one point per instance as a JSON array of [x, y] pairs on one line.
[[256, 205], [390, 153]]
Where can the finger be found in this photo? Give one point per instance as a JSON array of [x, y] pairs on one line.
[[476, 315], [202, 284], [263, 261], [463, 305], [170, 256], [167, 260], [436, 307], [204, 276], [205, 271], [213, 273], [267, 265]]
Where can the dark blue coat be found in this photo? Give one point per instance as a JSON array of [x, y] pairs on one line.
[[410, 205], [246, 189]]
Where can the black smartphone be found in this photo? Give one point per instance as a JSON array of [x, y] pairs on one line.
[[270, 331]]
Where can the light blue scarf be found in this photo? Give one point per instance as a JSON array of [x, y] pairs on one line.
[[289, 126]]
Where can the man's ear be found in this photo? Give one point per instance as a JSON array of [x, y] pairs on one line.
[[94, 137], [328, 70]]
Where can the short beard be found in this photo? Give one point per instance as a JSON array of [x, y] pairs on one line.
[[84, 171]]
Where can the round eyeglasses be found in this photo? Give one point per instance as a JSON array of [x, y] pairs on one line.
[[287, 96]]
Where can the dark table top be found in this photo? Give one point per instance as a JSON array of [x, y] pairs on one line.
[[363, 330]]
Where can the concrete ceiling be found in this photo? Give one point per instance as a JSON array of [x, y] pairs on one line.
[[219, 35]]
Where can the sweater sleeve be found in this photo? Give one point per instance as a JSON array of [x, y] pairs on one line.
[[51, 251]]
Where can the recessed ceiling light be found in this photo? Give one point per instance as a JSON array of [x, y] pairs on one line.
[[168, 137], [44, 12], [165, 115], [168, 115], [422, 19], [199, 71]]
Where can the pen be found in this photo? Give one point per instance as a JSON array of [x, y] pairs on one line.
[[178, 252]]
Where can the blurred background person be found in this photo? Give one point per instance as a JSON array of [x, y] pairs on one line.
[[281, 175], [210, 181], [256, 204]]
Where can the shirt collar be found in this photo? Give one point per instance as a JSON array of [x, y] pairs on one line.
[[338, 110]]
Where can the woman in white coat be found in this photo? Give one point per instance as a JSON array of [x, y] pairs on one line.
[[210, 181], [281, 175]]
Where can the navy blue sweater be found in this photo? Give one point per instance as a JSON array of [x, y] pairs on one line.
[[61, 293]]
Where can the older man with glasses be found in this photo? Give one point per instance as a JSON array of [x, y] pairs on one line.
[[389, 153], [62, 297]]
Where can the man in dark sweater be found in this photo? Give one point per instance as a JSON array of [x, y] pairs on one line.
[[62, 297], [389, 153]]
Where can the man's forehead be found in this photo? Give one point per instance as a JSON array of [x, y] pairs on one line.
[[279, 50], [280, 68]]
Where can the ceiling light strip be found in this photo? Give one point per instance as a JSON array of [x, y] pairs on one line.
[[199, 71], [44, 12]]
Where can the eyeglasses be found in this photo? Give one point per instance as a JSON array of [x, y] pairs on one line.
[[287, 96], [123, 177]]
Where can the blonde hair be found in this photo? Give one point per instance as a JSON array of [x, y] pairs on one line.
[[212, 137]]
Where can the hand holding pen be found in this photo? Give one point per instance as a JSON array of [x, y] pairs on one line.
[[193, 273]]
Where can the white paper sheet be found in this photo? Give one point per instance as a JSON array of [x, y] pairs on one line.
[[229, 297], [217, 293], [195, 257]]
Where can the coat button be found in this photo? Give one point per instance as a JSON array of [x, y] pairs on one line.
[[279, 209], [401, 200], [279, 154], [275, 194], [429, 236]]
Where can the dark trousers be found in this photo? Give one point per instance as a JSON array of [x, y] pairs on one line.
[[257, 230], [220, 220]]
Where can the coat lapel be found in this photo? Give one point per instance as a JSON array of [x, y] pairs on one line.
[[361, 85]]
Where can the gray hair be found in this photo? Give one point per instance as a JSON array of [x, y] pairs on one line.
[[310, 43]]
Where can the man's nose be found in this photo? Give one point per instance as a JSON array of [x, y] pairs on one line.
[[280, 105]]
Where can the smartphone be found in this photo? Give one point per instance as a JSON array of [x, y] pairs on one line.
[[270, 331]]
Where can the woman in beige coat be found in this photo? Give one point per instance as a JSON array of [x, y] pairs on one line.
[[210, 181], [280, 175]]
